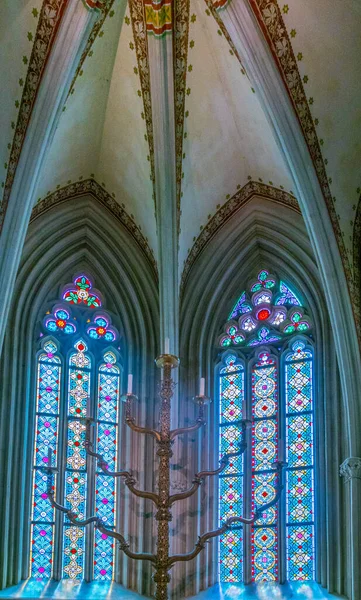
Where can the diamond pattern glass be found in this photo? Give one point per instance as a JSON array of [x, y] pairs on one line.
[[264, 453], [105, 493], [231, 482], [299, 455], [46, 432]]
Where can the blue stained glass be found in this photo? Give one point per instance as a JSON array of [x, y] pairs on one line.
[[46, 429], [74, 548], [264, 336], [264, 564], [264, 454], [105, 492], [41, 550], [46, 437], [42, 509], [300, 496], [299, 449], [300, 552], [75, 492], [108, 399], [231, 397], [231, 497], [231, 390], [107, 443], [237, 307], [103, 557], [108, 393], [76, 455], [299, 446], [48, 386], [75, 477], [287, 296], [231, 556], [299, 386]]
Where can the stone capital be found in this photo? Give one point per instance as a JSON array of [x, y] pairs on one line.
[[351, 469]]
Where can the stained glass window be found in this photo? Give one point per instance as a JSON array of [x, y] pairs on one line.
[[107, 436], [78, 374], [231, 390], [46, 436], [264, 454], [267, 378], [299, 455]]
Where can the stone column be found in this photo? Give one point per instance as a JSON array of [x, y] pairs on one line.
[[350, 470], [65, 47]]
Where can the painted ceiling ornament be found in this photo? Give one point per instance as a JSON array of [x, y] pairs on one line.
[[95, 4], [59, 321], [82, 293], [263, 314], [158, 17], [101, 329]]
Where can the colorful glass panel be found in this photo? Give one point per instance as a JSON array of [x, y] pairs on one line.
[[100, 329], [231, 389], [287, 296], [81, 293], [264, 536], [299, 456], [46, 436], [105, 494], [60, 322], [237, 310], [75, 475], [266, 301]]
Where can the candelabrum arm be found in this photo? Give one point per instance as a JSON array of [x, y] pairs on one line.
[[130, 421], [200, 421], [129, 480], [73, 518], [199, 477], [203, 539], [123, 544]]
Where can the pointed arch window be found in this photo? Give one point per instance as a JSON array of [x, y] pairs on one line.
[[77, 373], [266, 376]]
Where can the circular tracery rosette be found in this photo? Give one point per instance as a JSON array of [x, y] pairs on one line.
[[101, 329], [81, 292], [296, 322], [232, 336], [59, 321]]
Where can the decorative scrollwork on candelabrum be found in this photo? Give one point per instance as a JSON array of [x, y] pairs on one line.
[[162, 561]]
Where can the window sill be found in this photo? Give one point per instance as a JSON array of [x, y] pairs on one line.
[[266, 591], [34, 589]]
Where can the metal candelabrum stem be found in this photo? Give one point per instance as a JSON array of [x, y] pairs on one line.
[[162, 561]]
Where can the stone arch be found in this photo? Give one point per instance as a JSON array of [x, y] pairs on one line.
[[264, 235], [59, 243]]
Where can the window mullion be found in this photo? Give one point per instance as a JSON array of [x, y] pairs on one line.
[[247, 577], [91, 468], [281, 454], [59, 516]]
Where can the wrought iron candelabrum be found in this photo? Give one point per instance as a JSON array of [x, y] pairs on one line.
[[163, 561]]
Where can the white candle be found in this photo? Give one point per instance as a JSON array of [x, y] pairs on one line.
[[166, 346], [202, 386], [130, 383]]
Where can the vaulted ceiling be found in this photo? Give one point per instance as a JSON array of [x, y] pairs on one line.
[[223, 139]]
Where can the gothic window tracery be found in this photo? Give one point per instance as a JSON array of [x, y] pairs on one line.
[[266, 376], [78, 375]]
